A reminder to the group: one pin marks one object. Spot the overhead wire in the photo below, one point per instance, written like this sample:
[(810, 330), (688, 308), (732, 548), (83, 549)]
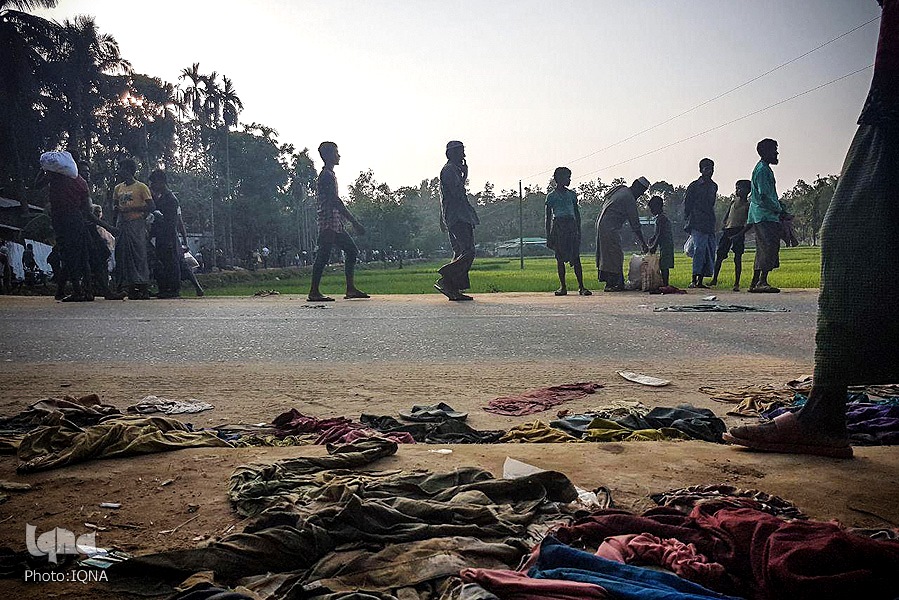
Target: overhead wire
[(731, 122), (718, 97)]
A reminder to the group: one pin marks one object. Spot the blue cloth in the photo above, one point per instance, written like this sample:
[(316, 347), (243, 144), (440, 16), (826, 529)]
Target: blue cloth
[(704, 245), (562, 203), (559, 561)]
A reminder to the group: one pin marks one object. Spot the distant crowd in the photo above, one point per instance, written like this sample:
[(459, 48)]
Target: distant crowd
[(146, 241)]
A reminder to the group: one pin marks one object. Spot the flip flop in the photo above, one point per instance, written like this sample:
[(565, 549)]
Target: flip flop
[(356, 295), (783, 435), (643, 379), (319, 299)]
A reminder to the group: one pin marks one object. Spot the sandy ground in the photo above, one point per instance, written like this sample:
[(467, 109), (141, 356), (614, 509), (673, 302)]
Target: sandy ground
[(857, 493)]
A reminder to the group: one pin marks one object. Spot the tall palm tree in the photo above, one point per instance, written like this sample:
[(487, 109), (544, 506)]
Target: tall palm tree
[(84, 59), (192, 95), (230, 103), (25, 40)]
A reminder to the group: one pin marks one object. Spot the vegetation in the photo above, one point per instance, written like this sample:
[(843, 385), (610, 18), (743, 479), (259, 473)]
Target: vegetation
[(800, 268), (67, 86)]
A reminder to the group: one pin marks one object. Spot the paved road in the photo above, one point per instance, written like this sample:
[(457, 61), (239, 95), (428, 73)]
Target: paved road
[(408, 329)]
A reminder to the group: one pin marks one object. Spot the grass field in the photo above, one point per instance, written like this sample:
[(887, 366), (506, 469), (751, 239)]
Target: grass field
[(799, 268)]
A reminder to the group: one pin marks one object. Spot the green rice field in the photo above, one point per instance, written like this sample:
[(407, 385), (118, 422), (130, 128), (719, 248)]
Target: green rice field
[(799, 268)]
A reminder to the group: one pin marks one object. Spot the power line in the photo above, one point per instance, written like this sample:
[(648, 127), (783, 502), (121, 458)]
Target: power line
[(731, 122), (718, 97)]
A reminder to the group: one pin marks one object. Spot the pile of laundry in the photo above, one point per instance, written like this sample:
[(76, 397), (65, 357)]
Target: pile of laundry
[(330, 527), (872, 412)]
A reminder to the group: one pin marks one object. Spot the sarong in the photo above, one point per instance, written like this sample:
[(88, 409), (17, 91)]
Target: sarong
[(767, 245)]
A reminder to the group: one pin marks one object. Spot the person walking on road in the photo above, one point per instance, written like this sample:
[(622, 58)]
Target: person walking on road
[(458, 218)]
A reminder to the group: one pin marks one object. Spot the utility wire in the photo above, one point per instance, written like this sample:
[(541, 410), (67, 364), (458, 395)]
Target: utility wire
[(731, 122), (718, 97)]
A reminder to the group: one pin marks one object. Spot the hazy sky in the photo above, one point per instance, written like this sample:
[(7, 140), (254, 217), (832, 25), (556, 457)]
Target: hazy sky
[(527, 85)]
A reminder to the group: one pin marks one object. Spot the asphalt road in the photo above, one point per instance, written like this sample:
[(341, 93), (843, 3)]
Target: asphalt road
[(494, 327)]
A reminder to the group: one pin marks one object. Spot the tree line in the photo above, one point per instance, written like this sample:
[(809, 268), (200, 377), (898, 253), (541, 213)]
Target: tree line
[(67, 86)]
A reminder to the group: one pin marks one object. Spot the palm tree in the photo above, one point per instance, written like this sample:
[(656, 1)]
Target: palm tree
[(85, 58), (230, 103), (192, 95), (25, 40)]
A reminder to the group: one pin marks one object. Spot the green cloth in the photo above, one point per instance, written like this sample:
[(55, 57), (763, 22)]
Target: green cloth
[(536, 432), (562, 203), (764, 205), (66, 444), (605, 430)]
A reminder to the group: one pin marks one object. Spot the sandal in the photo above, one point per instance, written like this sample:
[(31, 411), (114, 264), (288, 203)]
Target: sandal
[(584, 292), (561, 292), (784, 435), (319, 298), (356, 295)]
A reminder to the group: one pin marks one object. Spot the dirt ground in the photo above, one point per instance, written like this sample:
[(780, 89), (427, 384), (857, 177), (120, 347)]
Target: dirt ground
[(857, 493)]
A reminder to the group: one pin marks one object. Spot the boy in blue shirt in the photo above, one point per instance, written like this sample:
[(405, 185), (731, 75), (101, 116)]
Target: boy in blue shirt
[(563, 230)]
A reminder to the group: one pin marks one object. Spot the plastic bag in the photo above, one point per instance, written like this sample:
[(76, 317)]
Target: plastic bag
[(651, 273), (59, 162), (689, 247), (634, 276)]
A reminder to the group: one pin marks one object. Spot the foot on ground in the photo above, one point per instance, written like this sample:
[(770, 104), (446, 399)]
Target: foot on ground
[(460, 297), (561, 292), (764, 288), (354, 294), (318, 298), (584, 292), (785, 435)]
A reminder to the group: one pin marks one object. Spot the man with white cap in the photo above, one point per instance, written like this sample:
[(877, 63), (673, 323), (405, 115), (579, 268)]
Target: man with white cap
[(619, 206), (458, 218)]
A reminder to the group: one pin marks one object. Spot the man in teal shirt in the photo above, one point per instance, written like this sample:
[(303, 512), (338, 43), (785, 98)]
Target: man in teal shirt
[(765, 210)]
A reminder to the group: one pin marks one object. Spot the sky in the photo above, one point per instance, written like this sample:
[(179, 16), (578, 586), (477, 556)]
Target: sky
[(527, 85)]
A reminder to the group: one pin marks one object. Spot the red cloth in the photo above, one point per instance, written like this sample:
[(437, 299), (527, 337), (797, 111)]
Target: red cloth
[(535, 401), (68, 195), (512, 585), (293, 422), (672, 554), (766, 556)]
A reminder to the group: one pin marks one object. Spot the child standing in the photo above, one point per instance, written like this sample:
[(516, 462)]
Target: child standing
[(563, 230), (733, 232), (662, 240)]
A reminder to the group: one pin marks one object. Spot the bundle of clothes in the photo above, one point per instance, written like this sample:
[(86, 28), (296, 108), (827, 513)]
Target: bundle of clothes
[(330, 528)]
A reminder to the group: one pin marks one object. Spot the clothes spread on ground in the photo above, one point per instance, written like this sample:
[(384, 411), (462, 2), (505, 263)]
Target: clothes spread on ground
[(535, 401), (536, 432), (684, 422), (51, 447), (764, 556), (560, 561), (717, 308), (448, 431), (751, 401), (153, 404), (437, 412), (686, 499), (870, 422), (305, 508)]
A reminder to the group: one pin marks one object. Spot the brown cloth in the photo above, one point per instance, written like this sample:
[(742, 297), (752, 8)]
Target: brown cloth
[(538, 400)]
